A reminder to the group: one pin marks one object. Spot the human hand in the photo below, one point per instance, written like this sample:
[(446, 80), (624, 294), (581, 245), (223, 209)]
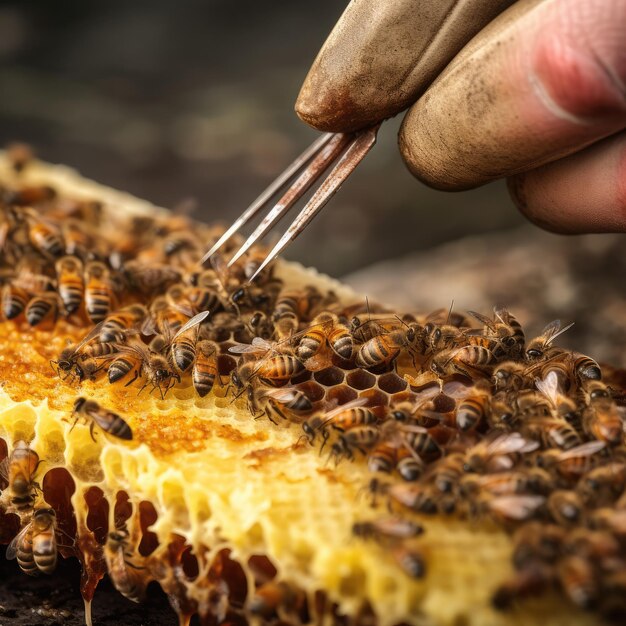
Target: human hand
[(538, 96)]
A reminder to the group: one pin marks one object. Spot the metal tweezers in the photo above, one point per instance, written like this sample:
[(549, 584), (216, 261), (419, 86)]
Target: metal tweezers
[(312, 163)]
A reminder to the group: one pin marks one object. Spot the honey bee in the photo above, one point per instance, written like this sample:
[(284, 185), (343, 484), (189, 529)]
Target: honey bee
[(497, 454), (77, 241), (291, 399), (411, 562), (99, 296), (205, 369), (570, 367), (35, 546), (509, 508), (149, 278), (292, 306), (191, 300), (275, 371), (419, 498), (142, 361), (18, 469), (70, 282), (183, 343), (504, 330), (603, 485), (326, 327), (563, 406), (125, 576), (43, 235), (348, 415), (80, 361), (474, 408), (14, 300), (163, 319), (116, 324), (43, 306), (448, 473), (510, 376), (530, 581), (552, 432), (537, 347), (565, 507), (601, 419), (573, 463), (438, 337), (470, 360), (111, 423), (387, 528), (579, 580), (383, 349)]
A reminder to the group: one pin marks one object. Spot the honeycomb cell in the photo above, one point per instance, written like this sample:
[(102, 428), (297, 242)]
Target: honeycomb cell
[(225, 365), (189, 563), (444, 403), (360, 379), (375, 397), (329, 377), (312, 390), (122, 509), (147, 516), (341, 394), (58, 488), (97, 513), (231, 572), (262, 568), (391, 383)]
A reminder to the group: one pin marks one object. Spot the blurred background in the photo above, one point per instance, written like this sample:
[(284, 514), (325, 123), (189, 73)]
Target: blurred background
[(194, 99)]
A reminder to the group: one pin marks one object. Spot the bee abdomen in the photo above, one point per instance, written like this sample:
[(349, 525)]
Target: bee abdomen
[(14, 301), (118, 369), (45, 557), (37, 309), (97, 304), (184, 354), (72, 295)]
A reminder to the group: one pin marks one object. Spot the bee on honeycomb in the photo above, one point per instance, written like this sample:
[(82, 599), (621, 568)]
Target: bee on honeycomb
[(215, 413)]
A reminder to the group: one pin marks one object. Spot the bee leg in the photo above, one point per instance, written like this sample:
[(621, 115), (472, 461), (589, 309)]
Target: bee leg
[(133, 379), (269, 416), (325, 436), (279, 412), (74, 424), (91, 427)]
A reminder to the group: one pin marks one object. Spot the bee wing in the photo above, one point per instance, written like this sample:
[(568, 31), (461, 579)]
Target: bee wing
[(516, 507), (148, 326), (553, 330), (11, 552), (346, 407), (135, 349), (483, 319), (510, 443), (549, 386), (502, 314), (258, 346), (95, 331), (4, 469), (282, 394), (194, 321), (586, 449)]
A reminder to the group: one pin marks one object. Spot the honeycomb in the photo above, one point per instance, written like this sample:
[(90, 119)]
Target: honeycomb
[(240, 513)]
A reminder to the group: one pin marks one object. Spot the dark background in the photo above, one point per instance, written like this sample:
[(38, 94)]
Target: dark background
[(176, 98)]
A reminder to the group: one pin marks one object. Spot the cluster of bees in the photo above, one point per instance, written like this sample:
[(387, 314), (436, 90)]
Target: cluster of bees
[(486, 424)]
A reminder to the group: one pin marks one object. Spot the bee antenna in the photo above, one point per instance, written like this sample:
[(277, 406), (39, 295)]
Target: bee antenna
[(450, 312)]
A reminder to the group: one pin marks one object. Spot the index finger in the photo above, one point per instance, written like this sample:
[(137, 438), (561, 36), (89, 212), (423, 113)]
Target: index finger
[(382, 54)]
